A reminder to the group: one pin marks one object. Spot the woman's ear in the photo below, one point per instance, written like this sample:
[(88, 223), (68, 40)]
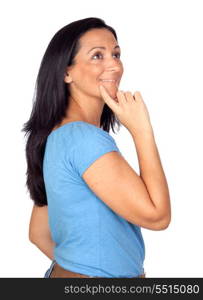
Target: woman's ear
[(67, 78)]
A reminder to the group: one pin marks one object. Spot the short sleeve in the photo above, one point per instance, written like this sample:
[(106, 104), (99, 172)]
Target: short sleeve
[(90, 144)]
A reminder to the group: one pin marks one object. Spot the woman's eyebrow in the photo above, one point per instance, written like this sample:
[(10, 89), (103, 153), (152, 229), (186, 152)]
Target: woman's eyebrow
[(100, 47)]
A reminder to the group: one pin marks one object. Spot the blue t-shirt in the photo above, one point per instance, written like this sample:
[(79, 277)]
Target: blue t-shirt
[(90, 237)]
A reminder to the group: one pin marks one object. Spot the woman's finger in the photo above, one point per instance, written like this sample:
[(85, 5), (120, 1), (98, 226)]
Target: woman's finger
[(121, 97), (129, 97), (109, 101), (138, 96)]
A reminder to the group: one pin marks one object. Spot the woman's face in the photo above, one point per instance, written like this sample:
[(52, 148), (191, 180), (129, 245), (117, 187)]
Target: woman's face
[(97, 62)]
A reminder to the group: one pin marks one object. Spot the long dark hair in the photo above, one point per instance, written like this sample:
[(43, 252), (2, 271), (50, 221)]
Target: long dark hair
[(52, 99)]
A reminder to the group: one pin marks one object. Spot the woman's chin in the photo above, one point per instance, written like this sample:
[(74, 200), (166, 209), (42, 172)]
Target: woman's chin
[(112, 91)]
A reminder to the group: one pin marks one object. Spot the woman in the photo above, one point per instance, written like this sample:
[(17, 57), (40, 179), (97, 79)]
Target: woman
[(89, 204)]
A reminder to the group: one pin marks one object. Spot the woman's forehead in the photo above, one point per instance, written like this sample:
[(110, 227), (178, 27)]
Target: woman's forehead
[(97, 38)]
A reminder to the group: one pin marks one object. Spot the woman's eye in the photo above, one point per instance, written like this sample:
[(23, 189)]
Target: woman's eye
[(118, 55), (97, 55)]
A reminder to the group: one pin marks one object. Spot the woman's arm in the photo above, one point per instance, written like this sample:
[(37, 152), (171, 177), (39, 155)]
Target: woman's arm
[(39, 231), (152, 174)]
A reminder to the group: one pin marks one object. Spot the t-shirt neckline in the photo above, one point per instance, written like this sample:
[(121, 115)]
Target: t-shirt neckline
[(72, 122)]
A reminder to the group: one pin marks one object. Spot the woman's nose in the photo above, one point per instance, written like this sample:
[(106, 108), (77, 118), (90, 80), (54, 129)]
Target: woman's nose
[(113, 65)]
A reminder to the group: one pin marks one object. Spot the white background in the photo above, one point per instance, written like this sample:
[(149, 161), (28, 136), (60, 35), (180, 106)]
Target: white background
[(161, 43)]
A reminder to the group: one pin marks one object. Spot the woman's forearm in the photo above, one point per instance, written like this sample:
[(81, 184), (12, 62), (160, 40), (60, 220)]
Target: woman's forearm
[(39, 230), (45, 244), (152, 174)]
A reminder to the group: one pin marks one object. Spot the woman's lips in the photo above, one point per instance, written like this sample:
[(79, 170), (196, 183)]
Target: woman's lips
[(108, 80), (111, 81)]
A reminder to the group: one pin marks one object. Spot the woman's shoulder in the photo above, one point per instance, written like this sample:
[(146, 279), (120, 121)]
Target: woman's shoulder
[(78, 127)]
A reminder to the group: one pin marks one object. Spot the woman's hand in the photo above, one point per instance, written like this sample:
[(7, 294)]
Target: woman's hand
[(130, 110)]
